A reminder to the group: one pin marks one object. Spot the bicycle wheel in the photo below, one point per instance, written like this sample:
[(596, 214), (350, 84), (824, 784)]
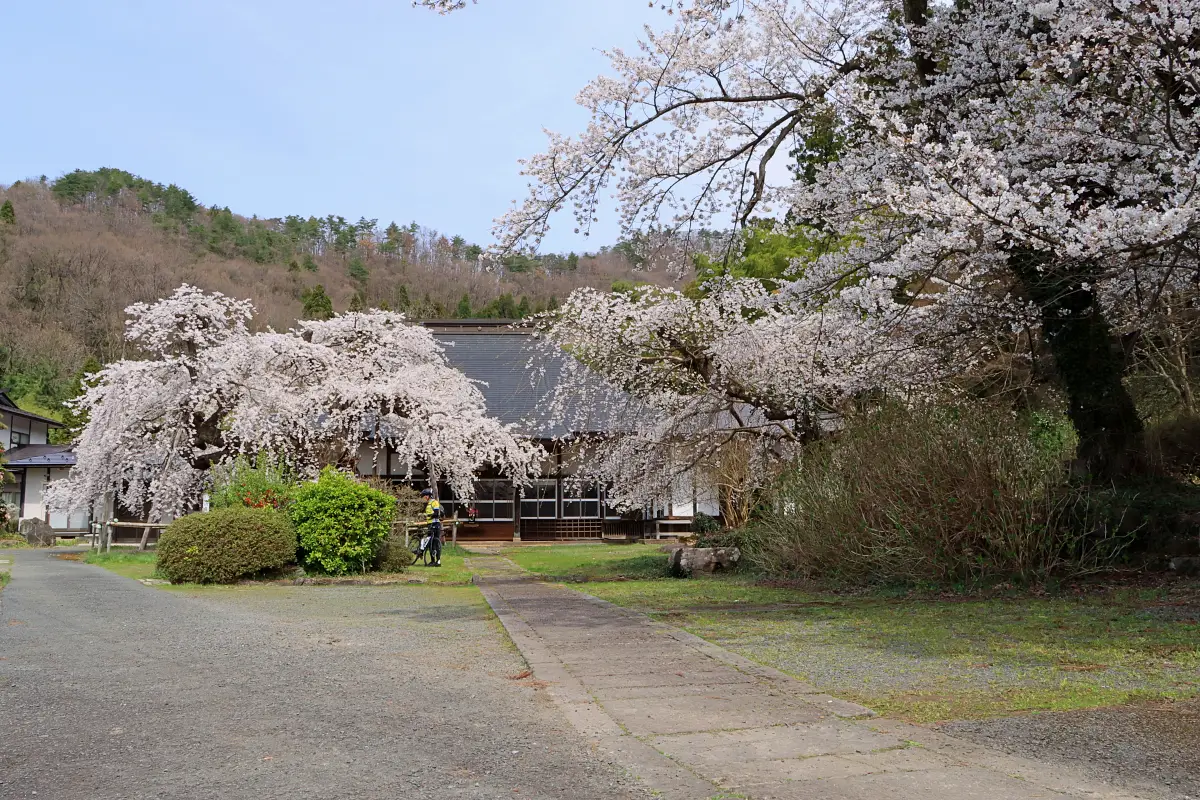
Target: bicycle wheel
[(423, 554)]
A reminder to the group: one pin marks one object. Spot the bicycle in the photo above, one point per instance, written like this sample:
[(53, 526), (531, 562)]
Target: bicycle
[(421, 551), (424, 550)]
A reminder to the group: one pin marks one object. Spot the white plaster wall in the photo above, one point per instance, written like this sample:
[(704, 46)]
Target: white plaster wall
[(686, 502), (5, 427), (707, 504), (36, 479), (398, 467), (370, 460), (76, 520), (39, 432)]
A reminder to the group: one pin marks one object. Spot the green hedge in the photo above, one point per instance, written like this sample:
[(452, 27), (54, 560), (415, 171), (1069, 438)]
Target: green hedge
[(226, 544), (341, 523)]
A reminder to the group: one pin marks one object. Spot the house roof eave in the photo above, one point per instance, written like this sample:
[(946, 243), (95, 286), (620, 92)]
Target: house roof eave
[(18, 412)]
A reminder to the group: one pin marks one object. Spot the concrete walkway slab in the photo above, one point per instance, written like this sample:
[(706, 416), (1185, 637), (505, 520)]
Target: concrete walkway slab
[(829, 737), (655, 716), (697, 721), (666, 679)]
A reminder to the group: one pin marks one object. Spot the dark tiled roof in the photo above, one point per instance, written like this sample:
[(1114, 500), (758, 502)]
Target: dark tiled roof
[(519, 378), (40, 455)]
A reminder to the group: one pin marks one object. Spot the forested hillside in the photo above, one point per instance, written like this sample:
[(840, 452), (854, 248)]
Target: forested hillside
[(75, 251)]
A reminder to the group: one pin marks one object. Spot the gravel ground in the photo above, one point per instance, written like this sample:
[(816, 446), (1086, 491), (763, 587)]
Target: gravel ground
[(1152, 748), (111, 689)]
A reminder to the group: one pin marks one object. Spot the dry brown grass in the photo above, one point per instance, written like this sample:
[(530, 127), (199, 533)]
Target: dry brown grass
[(944, 494)]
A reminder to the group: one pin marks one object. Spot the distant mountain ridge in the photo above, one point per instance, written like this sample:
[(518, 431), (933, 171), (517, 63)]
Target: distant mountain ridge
[(80, 248)]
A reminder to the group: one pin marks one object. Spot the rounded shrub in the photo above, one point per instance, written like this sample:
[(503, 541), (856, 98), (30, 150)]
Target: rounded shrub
[(223, 545), (394, 554), (341, 523)]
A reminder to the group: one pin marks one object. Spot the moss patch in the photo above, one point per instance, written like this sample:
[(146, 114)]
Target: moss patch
[(133, 564), (452, 572), (591, 562)]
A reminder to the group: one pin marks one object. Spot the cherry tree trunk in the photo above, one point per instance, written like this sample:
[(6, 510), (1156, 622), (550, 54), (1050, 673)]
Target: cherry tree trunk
[(1089, 364)]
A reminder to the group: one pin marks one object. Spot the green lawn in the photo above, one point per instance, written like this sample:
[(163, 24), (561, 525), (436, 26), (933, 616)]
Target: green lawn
[(926, 658), (452, 572), (130, 563), (591, 562), (133, 564)]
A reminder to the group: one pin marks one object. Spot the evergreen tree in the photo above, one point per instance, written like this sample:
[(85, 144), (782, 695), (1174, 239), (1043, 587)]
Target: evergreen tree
[(358, 270), (524, 309), (769, 250), (293, 266), (178, 204), (317, 304), (8, 214), (506, 307), (310, 263), (356, 303), (75, 420), (464, 307), (391, 240)]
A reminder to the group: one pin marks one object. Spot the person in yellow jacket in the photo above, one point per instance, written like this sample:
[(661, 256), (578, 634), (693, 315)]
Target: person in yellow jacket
[(433, 515)]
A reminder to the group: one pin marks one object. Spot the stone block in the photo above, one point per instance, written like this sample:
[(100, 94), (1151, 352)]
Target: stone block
[(689, 560), (37, 532)]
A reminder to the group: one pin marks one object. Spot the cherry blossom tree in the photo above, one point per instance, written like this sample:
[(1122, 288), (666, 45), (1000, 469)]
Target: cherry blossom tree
[(990, 157), (737, 377), (210, 389)]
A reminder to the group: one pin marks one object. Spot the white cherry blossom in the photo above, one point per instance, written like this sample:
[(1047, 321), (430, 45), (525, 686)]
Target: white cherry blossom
[(211, 389)]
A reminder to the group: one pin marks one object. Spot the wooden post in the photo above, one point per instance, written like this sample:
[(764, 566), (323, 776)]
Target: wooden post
[(454, 533), (145, 539), (108, 536)]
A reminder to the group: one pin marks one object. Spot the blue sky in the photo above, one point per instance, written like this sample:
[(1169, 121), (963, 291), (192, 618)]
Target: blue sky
[(361, 108)]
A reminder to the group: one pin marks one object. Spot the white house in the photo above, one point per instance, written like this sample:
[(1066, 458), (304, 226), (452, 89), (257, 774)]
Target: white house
[(33, 463)]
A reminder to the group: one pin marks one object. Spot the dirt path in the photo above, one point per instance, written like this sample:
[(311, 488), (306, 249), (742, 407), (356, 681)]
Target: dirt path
[(111, 689), (697, 720)]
